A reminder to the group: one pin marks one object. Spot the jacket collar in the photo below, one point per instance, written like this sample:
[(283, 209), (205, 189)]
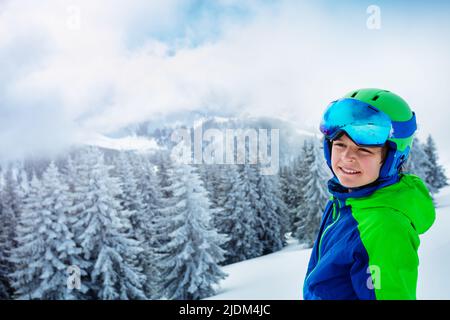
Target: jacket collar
[(341, 193)]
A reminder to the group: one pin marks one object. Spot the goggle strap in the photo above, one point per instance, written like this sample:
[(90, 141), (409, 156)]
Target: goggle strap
[(404, 129)]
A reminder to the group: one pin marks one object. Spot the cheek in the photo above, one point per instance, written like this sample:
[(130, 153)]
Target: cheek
[(371, 166), (334, 159)]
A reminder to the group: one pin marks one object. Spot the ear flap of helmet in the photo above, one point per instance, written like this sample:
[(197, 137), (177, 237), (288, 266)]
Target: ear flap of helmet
[(394, 160), (327, 152)]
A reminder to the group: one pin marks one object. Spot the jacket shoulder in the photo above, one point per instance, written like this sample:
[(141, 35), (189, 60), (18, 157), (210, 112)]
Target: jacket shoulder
[(385, 224), (391, 244)]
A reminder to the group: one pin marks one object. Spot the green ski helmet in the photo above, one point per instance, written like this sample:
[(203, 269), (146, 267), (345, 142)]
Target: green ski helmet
[(372, 117)]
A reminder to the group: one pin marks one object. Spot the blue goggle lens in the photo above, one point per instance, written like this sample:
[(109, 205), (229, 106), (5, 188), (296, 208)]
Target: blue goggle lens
[(365, 124)]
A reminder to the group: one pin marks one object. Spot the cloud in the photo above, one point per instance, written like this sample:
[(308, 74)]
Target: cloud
[(131, 61)]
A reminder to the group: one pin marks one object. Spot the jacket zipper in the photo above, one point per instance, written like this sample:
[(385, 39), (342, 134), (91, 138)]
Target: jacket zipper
[(322, 235), (327, 228)]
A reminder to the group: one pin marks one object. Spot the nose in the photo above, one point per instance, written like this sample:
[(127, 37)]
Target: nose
[(348, 155)]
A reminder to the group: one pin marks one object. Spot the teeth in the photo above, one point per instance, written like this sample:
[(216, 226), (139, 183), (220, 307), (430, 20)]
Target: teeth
[(349, 171)]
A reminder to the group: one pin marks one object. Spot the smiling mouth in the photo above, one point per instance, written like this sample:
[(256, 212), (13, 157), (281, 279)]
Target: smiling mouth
[(349, 172)]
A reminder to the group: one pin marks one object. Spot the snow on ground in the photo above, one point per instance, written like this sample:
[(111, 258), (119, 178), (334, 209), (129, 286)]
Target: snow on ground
[(277, 276), (308, 133), (280, 275), (434, 253), (141, 144)]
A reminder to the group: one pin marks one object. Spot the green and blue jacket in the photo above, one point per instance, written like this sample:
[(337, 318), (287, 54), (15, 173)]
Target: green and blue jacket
[(368, 240)]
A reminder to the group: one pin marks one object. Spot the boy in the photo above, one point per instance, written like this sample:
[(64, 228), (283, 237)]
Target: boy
[(369, 236)]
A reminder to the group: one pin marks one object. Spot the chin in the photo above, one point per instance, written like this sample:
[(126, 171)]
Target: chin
[(348, 183)]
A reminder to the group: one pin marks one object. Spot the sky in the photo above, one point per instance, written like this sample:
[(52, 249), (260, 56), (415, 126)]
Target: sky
[(73, 68)]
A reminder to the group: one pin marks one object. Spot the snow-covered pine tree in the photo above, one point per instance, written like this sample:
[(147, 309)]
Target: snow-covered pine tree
[(11, 196), (10, 206), (214, 180), (284, 214), (230, 220), (189, 266), (5, 289), (238, 219), (146, 222), (272, 213), (30, 249), (164, 167), (249, 180), (100, 232), (434, 172), (211, 176), (417, 160), (164, 164), (298, 170), (70, 173), (315, 192), (299, 224), (132, 206), (131, 201), (53, 240), (284, 180), (76, 196)]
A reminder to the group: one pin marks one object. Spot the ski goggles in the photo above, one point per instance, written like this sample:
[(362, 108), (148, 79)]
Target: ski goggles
[(365, 124)]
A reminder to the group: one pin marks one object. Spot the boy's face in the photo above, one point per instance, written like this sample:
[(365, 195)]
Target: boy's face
[(355, 165)]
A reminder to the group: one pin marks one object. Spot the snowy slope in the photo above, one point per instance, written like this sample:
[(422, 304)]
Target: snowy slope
[(280, 275), (275, 276), (140, 144), (434, 253)]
